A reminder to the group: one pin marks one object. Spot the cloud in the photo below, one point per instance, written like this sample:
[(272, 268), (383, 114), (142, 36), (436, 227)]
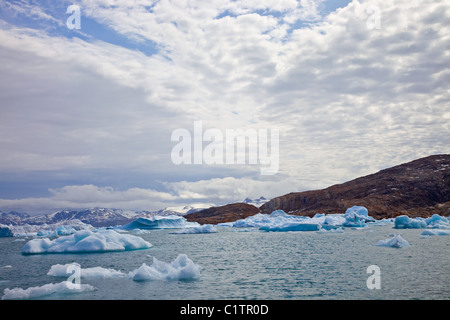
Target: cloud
[(90, 196), (348, 98)]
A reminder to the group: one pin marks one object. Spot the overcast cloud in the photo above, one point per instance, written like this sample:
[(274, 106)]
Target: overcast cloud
[(86, 116)]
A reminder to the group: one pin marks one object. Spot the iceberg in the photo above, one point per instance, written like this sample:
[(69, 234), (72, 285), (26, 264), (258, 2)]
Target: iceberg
[(292, 227), (437, 222), (394, 242), (206, 228), (59, 231), (435, 232), (405, 222), (334, 219), (86, 241), (357, 216), (5, 232), (279, 220), (330, 230), (182, 268), (160, 222), (47, 289), (64, 270)]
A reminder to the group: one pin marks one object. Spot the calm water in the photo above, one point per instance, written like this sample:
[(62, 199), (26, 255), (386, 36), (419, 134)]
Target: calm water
[(256, 265)]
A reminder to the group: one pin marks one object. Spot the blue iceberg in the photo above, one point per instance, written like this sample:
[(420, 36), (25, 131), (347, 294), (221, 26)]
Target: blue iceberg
[(405, 222), (357, 216), (435, 232), (292, 227), (437, 222), (160, 222)]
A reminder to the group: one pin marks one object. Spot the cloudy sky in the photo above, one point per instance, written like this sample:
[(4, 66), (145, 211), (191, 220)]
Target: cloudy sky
[(86, 115)]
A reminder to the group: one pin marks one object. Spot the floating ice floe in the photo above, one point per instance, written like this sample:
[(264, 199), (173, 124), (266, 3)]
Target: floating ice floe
[(206, 228), (65, 270), (437, 222), (334, 230), (292, 227), (395, 242), (59, 231), (86, 241), (5, 232), (434, 232), (182, 268), (63, 287), (357, 216), (434, 222), (405, 222), (160, 222), (279, 220)]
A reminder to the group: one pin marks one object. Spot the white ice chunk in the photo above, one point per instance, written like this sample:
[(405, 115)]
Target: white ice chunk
[(182, 268), (206, 228), (86, 241), (435, 232), (63, 287), (64, 270), (331, 230), (394, 242)]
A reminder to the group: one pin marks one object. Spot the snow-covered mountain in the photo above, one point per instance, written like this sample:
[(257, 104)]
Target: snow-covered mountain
[(96, 217), (256, 202)]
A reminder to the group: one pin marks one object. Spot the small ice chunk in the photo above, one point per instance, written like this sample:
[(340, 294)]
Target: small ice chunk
[(395, 242), (182, 268), (64, 270), (435, 232), (331, 230), (206, 228), (47, 289)]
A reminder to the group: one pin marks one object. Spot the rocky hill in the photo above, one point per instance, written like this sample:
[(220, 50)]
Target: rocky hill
[(226, 213), (417, 188)]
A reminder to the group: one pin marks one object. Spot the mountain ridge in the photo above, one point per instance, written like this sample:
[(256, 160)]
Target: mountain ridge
[(417, 188), (406, 188)]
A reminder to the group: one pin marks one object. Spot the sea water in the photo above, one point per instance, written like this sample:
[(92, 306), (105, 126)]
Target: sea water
[(253, 264)]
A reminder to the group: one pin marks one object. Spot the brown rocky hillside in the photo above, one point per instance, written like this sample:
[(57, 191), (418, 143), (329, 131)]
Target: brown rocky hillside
[(417, 188)]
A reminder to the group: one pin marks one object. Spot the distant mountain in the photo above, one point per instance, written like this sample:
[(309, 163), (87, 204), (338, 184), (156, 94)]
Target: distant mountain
[(417, 188), (256, 202), (182, 210), (97, 217)]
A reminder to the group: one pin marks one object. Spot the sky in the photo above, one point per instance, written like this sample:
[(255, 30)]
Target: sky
[(87, 114)]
